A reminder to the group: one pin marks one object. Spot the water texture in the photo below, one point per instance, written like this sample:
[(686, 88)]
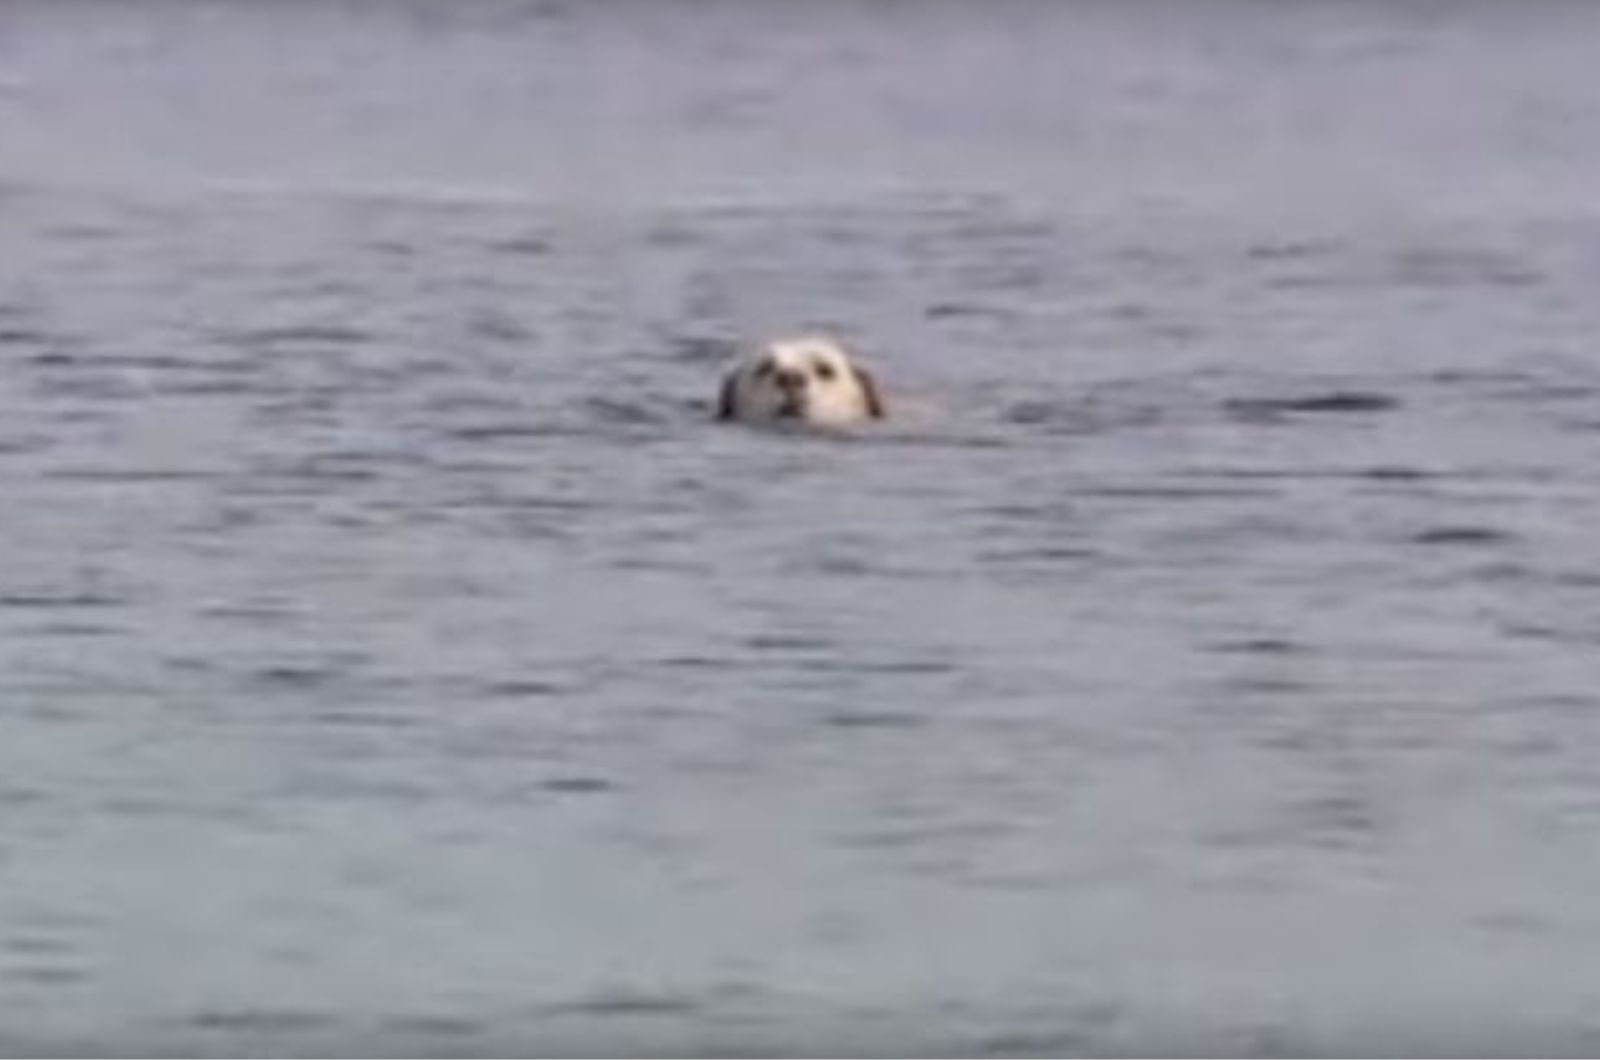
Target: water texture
[(396, 660)]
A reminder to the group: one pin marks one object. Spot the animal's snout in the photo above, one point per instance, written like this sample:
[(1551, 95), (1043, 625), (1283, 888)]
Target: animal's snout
[(809, 378)]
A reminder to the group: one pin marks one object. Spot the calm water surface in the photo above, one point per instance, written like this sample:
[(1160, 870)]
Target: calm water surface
[(394, 659)]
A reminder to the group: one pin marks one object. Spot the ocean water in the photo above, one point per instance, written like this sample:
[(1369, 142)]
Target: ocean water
[(395, 659)]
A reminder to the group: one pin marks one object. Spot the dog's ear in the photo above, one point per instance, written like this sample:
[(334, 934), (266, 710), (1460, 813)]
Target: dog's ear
[(725, 409), (869, 390)]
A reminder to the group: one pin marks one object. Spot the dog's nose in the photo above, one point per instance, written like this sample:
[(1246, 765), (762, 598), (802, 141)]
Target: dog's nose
[(789, 379)]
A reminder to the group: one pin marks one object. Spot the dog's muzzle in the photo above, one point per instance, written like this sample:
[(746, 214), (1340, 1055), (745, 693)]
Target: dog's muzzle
[(792, 385)]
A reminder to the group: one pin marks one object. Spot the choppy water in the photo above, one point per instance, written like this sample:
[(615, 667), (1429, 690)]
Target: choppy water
[(393, 657)]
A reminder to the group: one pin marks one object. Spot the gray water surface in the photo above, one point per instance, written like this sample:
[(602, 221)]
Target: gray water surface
[(394, 658)]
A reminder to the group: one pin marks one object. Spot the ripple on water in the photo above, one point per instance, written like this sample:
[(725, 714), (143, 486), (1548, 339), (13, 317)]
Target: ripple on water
[(627, 413), (1274, 409), (578, 785), (624, 1003), (702, 349), (23, 336), (873, 719), (522, 246), (1462, 535), (262, 1021), (529, 688), (35, 955), (131, 476), (289, 677), (1259, 646), (277, 338), (443, 1035), (79, 599)]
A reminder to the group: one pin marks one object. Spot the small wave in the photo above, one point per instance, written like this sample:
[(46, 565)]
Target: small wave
[(1462, 535), (1332, 402), (295, 335), (1258, 646), (522, 246), (873, 719), (695, 349), (626, 1003), (262, 1020), (579, 785), (21, 336), (625, 412), (54, 601)]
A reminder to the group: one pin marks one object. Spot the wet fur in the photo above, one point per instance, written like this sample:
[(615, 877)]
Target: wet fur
[(808, 371)]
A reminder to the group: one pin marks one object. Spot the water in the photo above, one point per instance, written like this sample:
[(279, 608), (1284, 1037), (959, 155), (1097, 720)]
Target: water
[(396, 659)]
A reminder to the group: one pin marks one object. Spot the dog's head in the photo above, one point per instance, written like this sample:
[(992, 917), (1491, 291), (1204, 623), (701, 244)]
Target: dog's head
[(810, 379)]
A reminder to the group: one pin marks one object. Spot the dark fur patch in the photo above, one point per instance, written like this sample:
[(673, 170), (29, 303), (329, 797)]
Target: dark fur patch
[(869, 388), (725, 408)]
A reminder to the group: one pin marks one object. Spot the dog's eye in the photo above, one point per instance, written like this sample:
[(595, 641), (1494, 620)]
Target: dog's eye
[(825, 370), (764, 369)]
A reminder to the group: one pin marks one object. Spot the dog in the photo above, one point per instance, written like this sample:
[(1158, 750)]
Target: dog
[(809, 379)]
